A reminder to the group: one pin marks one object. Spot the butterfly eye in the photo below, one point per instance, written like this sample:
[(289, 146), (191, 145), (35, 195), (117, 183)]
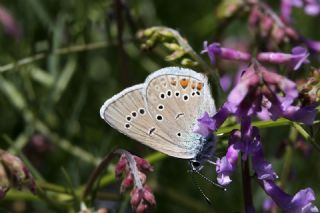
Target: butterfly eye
[(141, 111), (162, 95), (185, 97), (196, 164), (127, 126)]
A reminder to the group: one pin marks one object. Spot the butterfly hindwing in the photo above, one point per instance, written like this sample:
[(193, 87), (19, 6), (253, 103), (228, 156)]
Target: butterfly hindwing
[(175, 98), (127, 113)]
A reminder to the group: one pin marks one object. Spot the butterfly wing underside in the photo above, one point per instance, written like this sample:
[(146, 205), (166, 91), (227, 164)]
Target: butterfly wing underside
[(176, 98), (127, 113)]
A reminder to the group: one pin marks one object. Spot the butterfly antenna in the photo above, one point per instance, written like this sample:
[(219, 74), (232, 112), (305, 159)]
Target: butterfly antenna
[(210, 181), (201, 191)]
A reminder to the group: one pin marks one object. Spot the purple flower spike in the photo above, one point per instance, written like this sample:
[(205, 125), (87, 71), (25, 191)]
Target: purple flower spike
[(301, 202), (227, 164), (298, 57), (215, 50)]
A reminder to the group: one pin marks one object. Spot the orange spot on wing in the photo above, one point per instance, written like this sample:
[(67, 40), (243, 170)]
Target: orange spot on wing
[(184, 83), (193, 86), (199, 86)]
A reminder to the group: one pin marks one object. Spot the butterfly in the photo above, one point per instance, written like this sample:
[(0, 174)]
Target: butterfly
[(162, 113)]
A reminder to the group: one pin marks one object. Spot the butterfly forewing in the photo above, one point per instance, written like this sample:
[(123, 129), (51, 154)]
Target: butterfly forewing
[(127, 113)]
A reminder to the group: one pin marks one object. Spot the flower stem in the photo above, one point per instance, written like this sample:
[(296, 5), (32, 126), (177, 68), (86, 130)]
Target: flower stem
[(246, 182)]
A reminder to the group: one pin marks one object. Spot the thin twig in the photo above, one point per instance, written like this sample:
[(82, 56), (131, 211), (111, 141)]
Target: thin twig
[(95, 174), (61, 51)]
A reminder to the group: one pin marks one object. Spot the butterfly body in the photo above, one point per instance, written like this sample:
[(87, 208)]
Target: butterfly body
[(162, 113)]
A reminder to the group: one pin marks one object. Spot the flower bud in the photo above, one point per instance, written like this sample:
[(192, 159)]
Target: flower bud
[(136, 197), (148, 196), (142, 208), (188, 62), (16, 170), (143, 165), (127, 182), (142, 177), (121, 166), (172, 46), (4, 182)]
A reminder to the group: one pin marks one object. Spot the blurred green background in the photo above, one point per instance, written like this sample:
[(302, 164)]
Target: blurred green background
[(73, 61)]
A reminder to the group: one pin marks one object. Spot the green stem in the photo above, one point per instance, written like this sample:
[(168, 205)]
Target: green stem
[(260, 124), (61, 51), (306, 135)]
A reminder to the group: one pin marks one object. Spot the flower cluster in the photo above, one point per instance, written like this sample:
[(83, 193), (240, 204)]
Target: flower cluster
[(134, 169), (268, 26), (13, 173), (311, 7), (267, 95), (298, 56)]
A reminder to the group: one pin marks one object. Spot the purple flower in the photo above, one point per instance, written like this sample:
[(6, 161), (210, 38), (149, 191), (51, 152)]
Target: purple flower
[(207, 124), (312, 7), (215, 50), (225, 82), (301, 202), (268, 204), (286, 8), (312, 44), (262, 167), (8, 22), (298, 57), (257, 93), (304, 115), (250, 139), (227, 164)]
